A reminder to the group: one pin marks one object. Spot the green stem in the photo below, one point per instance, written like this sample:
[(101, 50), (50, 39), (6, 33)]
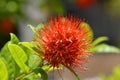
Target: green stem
[(78, 78), (23, 75)]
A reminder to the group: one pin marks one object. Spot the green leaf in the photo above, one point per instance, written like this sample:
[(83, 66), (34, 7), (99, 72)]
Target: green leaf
[(32, 27), (40, 26), (3, 71), (99, 40), (44, 75), (13, 69), (36, 29), (28, 45), (89, 35), (19, 56), (34, 61), (116, 73), (14, 38), (105, 48)]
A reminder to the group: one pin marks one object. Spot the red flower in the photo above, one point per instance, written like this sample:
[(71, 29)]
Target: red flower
[(7, 26), (65, 42), (85, 3)]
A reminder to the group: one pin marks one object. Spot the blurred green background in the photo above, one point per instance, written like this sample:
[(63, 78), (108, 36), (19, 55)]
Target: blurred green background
[(102, 15)]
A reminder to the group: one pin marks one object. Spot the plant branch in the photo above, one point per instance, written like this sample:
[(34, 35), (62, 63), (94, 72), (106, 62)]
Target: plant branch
[(78, 78), (23, 75)]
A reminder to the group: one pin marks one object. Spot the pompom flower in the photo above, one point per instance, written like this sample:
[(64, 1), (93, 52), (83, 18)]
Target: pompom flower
[(64, 41)]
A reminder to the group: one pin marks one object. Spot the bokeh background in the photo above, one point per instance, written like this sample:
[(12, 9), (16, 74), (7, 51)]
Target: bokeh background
[(102, 15)]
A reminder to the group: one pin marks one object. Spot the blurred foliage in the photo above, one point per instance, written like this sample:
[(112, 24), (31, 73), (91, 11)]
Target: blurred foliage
[(17, 62), (55, 7), (100, 47), (113, 7), (10, 8), (10, 12), (105, 48), (114, 76)]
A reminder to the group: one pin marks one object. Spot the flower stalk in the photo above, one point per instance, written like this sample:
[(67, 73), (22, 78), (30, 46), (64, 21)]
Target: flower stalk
[(24, 75), (76, 75)]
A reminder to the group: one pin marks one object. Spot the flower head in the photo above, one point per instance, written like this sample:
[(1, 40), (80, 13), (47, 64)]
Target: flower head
[(65, 41)]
